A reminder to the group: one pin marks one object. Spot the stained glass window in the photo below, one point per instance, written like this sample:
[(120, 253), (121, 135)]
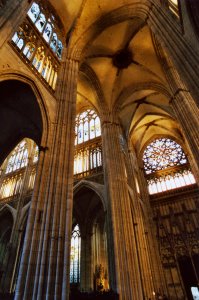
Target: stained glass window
[(88, 151), (33, 12), (75, 255), (173, 6), (162, 154), (46, 26), (166, 166), (28, 50), (53, 43), (18, 158), (47, 32), (41, 22), (35, 154), (40, 44), (13, 168), (87, 126), (87, 159)]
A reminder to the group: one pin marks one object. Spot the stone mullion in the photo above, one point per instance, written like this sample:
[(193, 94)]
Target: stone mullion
[(119, 213), (11, 17), (179, 49)]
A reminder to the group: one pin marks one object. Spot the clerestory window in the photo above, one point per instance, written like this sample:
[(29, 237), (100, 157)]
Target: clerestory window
[(88, 149), (38, 40), (166, 166), (173, 6), (18, 158), (87, 126), (13, 168)]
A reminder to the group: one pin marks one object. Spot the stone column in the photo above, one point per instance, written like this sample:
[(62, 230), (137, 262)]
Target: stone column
[(170, 35), (44, 269), (150, 265), (157, 272), (86, 274), (187, 115), (185, 109), (12, 14), (124, 272)]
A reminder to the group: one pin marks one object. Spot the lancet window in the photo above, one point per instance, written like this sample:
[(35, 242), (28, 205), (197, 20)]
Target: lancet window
[(18, 158), (173, 6), (38, 40), (75, 255), (87, 126), (88, 149), (166, 166), (14, 166)]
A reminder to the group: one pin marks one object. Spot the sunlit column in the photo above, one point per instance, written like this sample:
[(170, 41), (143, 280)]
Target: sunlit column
[(185, 108), (123, 259), (44, 269), (150, 265), (165, 30)]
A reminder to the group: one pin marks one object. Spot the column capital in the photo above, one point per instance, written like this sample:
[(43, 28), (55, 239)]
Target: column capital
[(110, 118), (69, 54), (176, 94)]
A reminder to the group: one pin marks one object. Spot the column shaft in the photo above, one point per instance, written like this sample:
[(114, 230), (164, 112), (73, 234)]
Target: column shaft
[(150, 265), (45, 274), (123, 260)]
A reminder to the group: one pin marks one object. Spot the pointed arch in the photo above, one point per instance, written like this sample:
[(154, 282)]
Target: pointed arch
[(27, 117), (94, 186)]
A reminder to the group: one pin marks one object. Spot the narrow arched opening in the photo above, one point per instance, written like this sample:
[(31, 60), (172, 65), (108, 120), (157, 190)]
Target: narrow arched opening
[(90, 224)]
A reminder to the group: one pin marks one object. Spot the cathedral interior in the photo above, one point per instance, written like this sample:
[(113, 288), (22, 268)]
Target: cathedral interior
[(99, 195)]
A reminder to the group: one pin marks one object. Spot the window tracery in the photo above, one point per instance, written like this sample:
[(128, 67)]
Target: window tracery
[(166, 166), (38, 40), (87, 126), (162, 154), (88, 150), (173, 6), (75, 255), (18, 158), (11, 180)]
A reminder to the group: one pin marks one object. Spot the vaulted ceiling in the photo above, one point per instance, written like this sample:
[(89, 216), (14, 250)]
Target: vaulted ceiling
[(119, 68)]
